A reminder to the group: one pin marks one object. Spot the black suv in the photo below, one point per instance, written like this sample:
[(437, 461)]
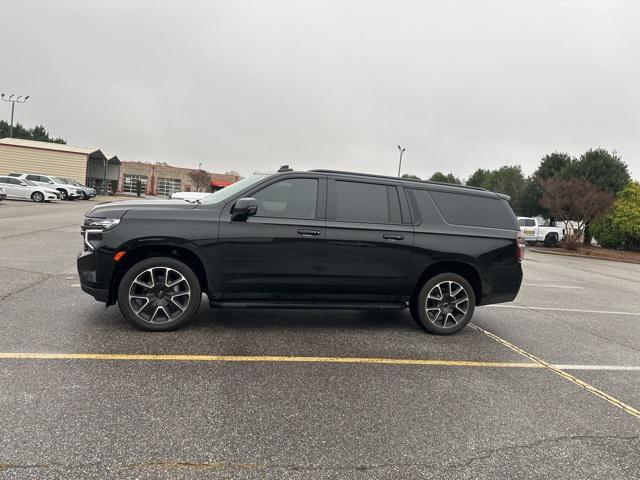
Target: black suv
[(316, 239)]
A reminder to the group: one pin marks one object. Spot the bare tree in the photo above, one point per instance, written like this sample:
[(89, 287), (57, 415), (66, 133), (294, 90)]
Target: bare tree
[(201, 180), (576, 202), (235, 174)]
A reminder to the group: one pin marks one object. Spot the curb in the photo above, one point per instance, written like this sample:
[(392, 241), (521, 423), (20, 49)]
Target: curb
[(580, 255)]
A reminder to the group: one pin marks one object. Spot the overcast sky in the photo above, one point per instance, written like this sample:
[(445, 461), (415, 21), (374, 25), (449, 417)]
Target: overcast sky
[(251, 85)]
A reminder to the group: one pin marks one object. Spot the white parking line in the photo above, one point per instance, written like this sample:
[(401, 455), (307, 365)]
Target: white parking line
[(624, 368), (575, 310), (552, 286)]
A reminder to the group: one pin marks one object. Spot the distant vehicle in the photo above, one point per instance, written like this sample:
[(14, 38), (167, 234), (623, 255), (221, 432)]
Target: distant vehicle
[(318, 239), (3, 194), (189, 196), (534, 232), (20, 188), (67, 191), (87, 192)]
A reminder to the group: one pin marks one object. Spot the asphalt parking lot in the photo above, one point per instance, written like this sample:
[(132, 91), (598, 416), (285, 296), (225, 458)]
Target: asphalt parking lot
[(546, 387)]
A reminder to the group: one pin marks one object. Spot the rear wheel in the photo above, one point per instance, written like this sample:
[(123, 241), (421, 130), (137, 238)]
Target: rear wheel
[(159, 294), (551, 240), (37, 197), (444, 304)]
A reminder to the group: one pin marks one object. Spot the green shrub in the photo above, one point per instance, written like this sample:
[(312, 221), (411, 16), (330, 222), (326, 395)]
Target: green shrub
[(620, 228)]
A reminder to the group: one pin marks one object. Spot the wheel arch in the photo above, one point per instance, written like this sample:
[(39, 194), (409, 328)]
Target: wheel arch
[(143, 252), (465, 270)]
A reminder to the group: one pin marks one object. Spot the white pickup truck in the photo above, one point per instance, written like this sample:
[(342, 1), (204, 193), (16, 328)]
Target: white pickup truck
[(534, 232)]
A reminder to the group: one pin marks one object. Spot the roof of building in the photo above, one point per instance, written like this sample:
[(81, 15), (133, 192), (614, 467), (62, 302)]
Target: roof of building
[(19, 142)]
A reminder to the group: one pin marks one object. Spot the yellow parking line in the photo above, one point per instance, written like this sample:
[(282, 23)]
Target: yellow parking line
[(596, 391), (257, 358)]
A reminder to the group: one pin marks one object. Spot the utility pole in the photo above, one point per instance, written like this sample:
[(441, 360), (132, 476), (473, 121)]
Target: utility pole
[(401, 149), (13, 106)]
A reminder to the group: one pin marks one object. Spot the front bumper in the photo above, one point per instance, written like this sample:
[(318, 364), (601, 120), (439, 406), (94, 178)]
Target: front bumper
[(100, 294)]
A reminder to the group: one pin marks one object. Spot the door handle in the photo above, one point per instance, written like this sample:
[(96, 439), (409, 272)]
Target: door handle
[(307, 232), (392, 236)]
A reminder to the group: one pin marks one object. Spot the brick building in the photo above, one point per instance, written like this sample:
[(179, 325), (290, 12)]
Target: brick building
[(162, 179)]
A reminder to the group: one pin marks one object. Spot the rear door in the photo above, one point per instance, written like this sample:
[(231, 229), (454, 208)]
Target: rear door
[(369, 240)]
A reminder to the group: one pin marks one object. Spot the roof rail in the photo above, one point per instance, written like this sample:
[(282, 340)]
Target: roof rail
[(411, 180)]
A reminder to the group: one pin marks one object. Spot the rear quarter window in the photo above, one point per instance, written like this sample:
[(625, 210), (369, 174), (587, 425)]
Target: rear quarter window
[(475, 211)]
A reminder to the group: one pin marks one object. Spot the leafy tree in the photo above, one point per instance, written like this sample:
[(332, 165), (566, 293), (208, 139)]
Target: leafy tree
[(38, 133), (441, 177), (201, 180), (574, 200), (409, 176), (508, 180), (552, 164), (604, 169), (620, 228)]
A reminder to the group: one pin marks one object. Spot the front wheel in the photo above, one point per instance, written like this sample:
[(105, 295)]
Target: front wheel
[(444, 304), (159, 294), (37, 197), (63, 194)]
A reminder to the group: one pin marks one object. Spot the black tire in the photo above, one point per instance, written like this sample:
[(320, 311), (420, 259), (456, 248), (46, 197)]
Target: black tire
[(37, 197), (165, 322), (63, 194), (455, 319), (551, 240), (531, 243)]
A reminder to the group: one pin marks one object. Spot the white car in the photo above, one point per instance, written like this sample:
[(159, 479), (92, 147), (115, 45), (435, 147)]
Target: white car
[(189, 196), (19, 188), (3, 193), (534, 232), (67, 191)]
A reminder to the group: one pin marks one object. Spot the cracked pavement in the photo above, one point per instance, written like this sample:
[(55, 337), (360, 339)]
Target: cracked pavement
[(88, 419)]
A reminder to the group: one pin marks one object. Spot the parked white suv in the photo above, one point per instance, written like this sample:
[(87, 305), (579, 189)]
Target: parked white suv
[(534, 232), (21, 188), (67, 190)]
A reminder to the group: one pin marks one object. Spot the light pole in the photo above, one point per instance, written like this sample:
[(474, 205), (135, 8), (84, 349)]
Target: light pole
[(401, 149), (13, 105)]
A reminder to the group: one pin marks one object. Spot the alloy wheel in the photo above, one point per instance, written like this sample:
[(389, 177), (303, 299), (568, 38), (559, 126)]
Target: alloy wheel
[(447, 304), (159, 295), (37, 197)]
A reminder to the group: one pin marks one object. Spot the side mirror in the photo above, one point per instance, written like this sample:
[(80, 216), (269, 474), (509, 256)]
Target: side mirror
[(245, 207)]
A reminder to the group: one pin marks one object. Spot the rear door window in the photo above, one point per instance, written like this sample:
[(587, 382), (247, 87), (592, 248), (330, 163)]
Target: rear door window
[(475, 210), (366, 203)]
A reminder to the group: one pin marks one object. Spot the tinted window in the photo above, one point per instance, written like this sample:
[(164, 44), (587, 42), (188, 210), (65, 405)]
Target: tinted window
[(427, 209), (294, 198), (362, 202), (473, 210), (10, 181), (526, 222), (35, 178)]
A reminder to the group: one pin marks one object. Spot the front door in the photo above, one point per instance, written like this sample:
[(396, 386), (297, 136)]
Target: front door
[(368, 245), (277, 254)]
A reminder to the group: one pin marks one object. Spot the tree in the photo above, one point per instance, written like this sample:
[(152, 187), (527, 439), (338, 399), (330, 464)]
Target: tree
[(604, 169), (235, 173), (508, 180), (38, 133), (552, 164), (574, 201), (201, 180), (620, 228), (441, 177), (138, 187), (409, 176)]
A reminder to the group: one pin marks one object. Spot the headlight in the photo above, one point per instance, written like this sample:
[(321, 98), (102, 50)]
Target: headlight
[(101, 223)]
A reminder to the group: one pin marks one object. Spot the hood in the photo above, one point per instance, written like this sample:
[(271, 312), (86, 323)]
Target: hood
[(118, 209)]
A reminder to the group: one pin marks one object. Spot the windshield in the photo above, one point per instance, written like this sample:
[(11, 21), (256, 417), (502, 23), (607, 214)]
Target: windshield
[(29, 182), (232, 189)]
